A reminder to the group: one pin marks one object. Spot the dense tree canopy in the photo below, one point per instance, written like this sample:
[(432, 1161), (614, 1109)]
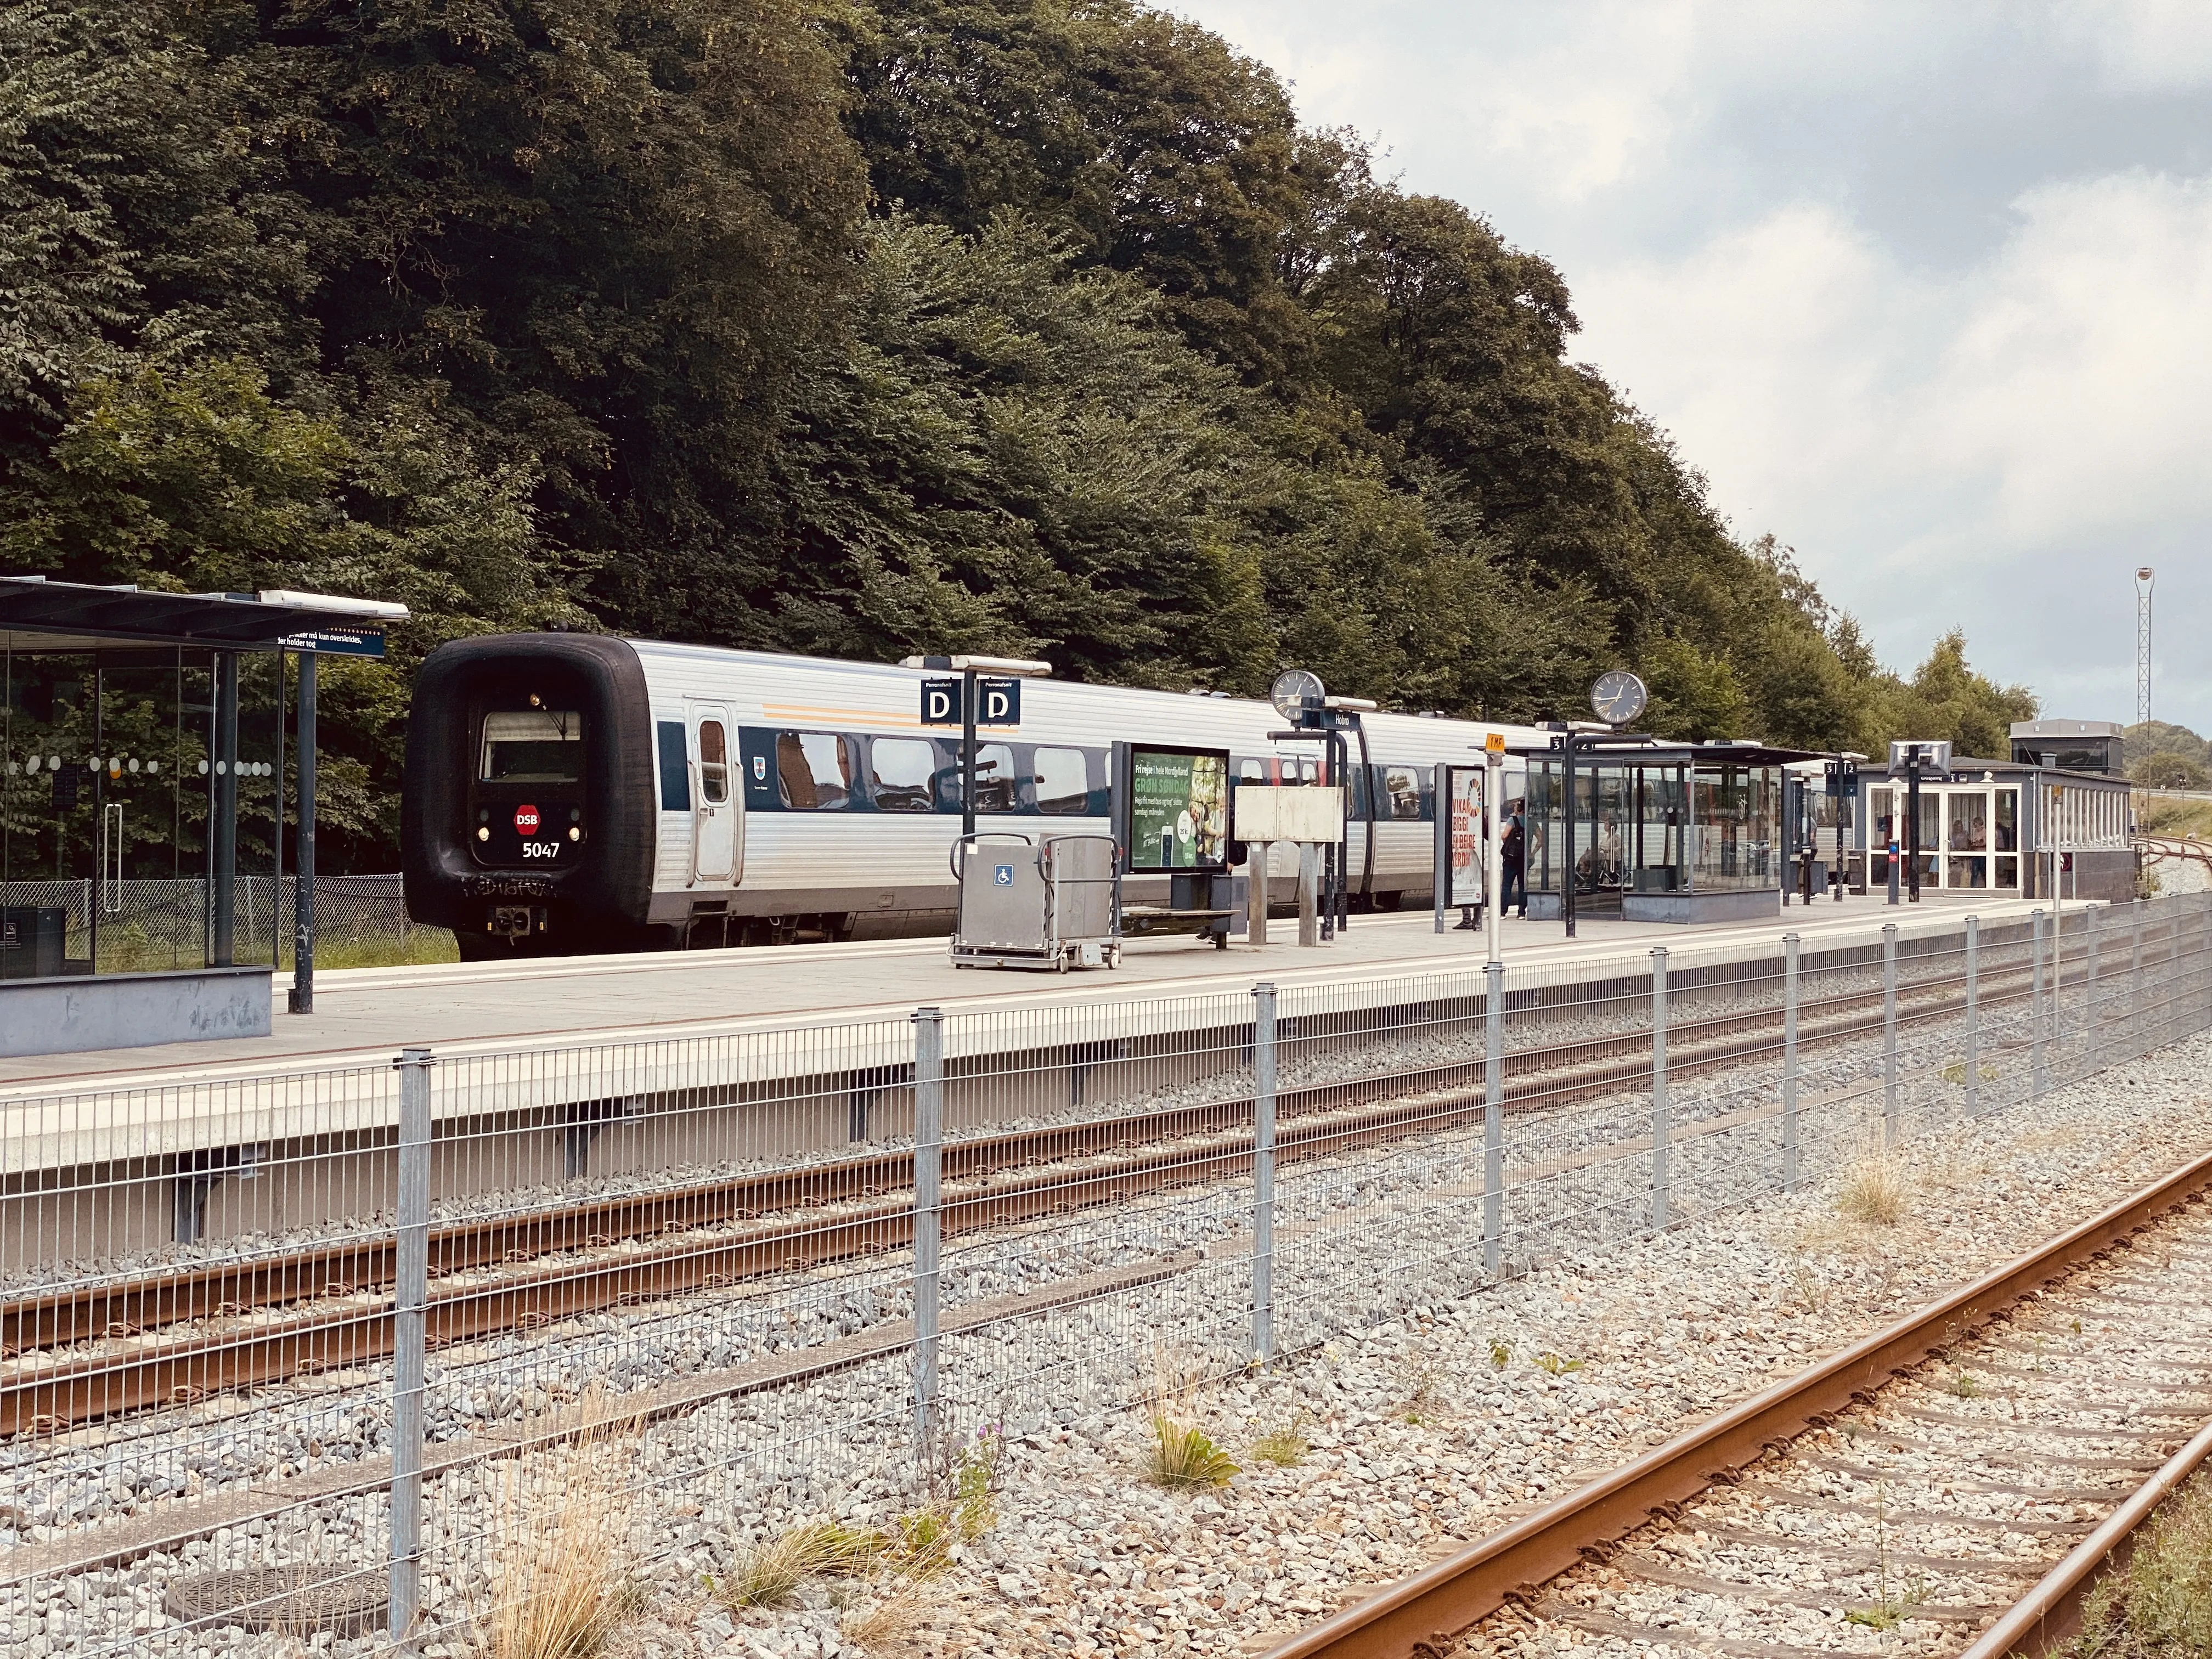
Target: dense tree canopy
[(1035, 325)]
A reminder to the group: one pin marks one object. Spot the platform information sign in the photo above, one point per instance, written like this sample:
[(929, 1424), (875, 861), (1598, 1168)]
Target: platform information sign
[(998, 703), (1178, 809)]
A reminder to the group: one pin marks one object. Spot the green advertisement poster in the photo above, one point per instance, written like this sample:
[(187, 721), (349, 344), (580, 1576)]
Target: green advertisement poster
[(1179, 810)]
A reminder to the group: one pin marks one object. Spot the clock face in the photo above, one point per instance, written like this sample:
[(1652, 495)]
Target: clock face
[(1618, 697), (1293, 688)]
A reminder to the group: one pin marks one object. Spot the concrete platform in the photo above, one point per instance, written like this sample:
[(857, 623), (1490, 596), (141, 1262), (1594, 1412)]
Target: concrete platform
[(365, 1015)]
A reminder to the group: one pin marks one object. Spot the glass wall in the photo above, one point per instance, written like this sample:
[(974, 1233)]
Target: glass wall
[(1736, 833), (1629, 831), (1969, 835)]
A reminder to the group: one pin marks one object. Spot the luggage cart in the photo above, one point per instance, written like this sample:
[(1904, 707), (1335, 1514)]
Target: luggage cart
[(1048, 908)]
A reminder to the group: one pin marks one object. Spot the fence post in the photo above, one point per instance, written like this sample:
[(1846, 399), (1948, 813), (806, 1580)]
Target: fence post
[(1659, 1192), (411, 1260), (2136, 980), (1888, 1035), (1789, 946), (1493, 1118), (1263, 1172), (2088, 1022), (1974, 1016), (2035, 1015), (928, 1218)]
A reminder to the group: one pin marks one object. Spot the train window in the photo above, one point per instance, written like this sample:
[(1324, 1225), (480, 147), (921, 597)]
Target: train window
[(1250, 770), (714, 764), (1400, 796), (1063, 781), (901, 768), (533, 745), (675, 773), (995, 783), (813, 770)]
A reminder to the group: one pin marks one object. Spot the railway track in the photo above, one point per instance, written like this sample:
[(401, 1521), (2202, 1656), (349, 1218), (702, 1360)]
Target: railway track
[(1917, 1485), (171, 1338)]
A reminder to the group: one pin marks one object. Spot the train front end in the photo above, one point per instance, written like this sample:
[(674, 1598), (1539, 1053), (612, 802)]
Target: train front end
[(527, 812)]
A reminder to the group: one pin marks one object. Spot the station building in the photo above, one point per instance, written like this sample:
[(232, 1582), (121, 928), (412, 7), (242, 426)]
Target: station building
[(2053, 819)]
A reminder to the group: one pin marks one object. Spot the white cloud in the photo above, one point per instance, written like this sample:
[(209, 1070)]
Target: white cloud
[(1971, 449)]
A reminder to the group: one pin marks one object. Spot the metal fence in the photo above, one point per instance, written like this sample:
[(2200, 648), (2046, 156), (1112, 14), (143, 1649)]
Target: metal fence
[(385, 1353), (359, 920)]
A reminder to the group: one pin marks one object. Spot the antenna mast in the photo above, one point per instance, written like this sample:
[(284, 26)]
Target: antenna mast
[(2143, 579)]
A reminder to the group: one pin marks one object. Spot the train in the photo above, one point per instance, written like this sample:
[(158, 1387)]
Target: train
[(571, 793)]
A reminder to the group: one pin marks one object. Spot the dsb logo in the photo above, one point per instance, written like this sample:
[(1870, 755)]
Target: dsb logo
[(526, 820)]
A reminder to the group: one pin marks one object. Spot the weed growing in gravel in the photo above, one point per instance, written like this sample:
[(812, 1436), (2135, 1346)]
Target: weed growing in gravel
[(2161, 1606), (1424, 1400), (1552, 1365), (1890, 1608), (1962, 1384), (1809, 1289), (1286, 1446), (1955, 1073), (1501, 1354), (769, 1573), (1873, 1191), (1183, 1455), (560, 1589), (884, 1624)]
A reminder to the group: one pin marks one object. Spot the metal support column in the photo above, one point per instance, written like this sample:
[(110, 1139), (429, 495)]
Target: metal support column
[(303, 881), (929, 1219), (1888, 1035), (222, 811), (1493, 1118), (1789, 954), (410, 1296), (1263, 1172), (2041, 1079), (1659, 1207), (1974, 1016)]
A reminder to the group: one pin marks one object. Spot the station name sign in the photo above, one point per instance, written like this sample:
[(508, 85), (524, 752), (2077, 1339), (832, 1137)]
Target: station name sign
[(338, 642), (998, 703)]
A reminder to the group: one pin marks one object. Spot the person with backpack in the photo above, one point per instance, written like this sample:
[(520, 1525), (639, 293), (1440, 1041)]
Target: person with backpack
[(1513, 853)]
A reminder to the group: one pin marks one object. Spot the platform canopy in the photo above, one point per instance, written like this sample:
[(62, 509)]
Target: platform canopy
[(37, 614)]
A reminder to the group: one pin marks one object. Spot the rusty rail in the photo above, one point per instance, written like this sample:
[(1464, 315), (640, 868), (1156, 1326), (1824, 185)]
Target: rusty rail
[(1423, 1614), (340, 1313)]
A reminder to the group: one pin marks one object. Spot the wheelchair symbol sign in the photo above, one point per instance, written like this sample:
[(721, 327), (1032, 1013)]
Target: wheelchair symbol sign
[(1002, 875)]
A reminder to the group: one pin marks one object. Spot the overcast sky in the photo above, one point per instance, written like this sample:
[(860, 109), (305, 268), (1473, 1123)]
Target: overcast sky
[(1924, 288)]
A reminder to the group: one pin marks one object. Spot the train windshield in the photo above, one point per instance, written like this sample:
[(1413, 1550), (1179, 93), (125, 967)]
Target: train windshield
[(534, 746)]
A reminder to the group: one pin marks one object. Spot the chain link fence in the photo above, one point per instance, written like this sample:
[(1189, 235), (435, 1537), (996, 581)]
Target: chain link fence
[(403, 1354)]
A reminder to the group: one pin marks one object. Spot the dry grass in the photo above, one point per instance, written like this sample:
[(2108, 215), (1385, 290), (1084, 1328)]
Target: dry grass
[(1875, 1191), (1183, 1456), (884, 1624), (562, 1587), (769, 1573), (2161, 1606)]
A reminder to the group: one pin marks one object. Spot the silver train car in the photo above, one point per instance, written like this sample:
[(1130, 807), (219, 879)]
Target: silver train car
[(568, 793)]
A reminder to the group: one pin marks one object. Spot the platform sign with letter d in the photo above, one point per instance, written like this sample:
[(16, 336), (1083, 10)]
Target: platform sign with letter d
[(940, 703)]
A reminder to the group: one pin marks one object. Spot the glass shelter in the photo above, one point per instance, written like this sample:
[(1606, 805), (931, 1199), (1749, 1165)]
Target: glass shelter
[(148, 777), (1649, 832)]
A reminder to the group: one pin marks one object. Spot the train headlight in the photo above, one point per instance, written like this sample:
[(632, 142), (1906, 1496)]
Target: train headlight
[(482, 834), (574, 834)]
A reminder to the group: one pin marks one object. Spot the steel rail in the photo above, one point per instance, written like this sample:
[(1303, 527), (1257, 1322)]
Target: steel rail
[(1419, 1617), (350, 1322), (2048, 1616)]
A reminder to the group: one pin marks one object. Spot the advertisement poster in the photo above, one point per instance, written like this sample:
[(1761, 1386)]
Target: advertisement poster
[(1466, 885), (1179, 810)]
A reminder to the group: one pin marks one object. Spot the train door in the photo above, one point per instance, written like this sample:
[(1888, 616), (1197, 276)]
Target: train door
[(714, 803)]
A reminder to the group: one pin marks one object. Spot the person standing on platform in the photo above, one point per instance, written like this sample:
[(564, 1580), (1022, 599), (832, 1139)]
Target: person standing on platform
[(1513, 851)]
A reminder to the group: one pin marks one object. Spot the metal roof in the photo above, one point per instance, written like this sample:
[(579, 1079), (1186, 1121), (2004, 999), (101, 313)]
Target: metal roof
[(37, 614), (1632, 752)]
